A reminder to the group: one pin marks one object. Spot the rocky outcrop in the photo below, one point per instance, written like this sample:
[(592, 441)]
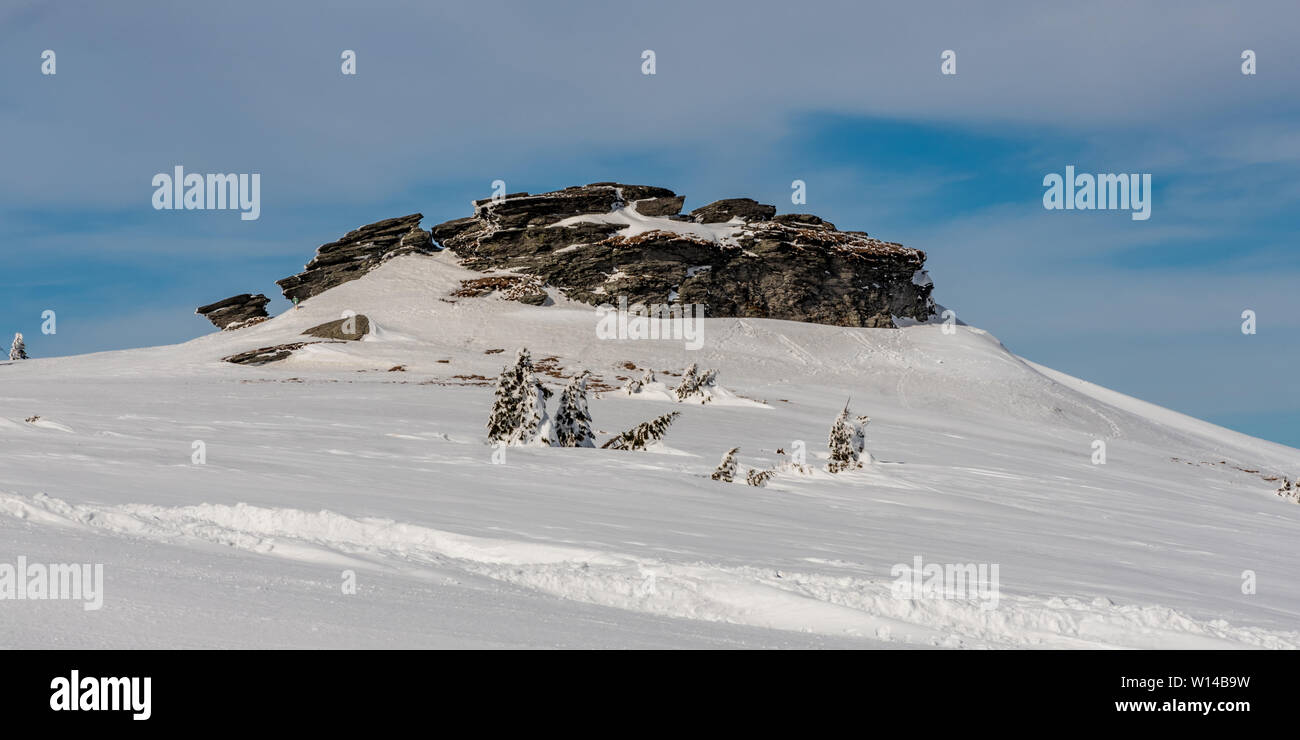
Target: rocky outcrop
[(264, 355), (348, 328), (721, 211), (605, 241), (235, 312), (736, 257), (666, 206), (357, 253)]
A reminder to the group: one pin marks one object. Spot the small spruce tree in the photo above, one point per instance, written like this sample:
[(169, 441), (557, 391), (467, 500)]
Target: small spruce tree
[(759, 478), (642, 434), (519, 406), (860, 437), (726, 470), (17, 350), (536, 428), (847, 442), (690, 383), (507, 416), (572, 420)]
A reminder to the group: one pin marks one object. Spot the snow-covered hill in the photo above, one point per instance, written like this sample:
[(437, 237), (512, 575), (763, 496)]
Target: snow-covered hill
[(333, 461)]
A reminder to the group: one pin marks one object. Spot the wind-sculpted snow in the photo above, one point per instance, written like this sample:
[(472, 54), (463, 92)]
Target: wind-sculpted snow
[(372, 456), (750, 596)]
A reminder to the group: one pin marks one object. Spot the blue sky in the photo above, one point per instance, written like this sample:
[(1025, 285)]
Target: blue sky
[(747, 97)]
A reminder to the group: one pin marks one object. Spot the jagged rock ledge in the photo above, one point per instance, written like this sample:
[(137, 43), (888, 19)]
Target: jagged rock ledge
[(736, 256), (265, 355), (358, 252), (235, 312)]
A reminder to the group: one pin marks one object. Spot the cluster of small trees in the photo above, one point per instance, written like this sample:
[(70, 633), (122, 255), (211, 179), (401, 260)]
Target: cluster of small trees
[(17, 350), (847, 444), (694, 386), (637, 385), (519, 415), (726, 471)]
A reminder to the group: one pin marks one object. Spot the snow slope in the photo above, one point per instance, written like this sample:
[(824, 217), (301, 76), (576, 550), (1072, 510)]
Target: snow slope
[(328, 462)]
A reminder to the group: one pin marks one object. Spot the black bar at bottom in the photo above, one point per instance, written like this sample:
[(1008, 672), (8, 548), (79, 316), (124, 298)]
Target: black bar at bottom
[(212, 690)]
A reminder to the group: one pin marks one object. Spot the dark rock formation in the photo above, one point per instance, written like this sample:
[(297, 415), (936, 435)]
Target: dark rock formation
[(794, 266), (661, 206), (235, 312), (357, 253), (342, 329), (263, 355), (521, 210), (721, 211), (803, 219)]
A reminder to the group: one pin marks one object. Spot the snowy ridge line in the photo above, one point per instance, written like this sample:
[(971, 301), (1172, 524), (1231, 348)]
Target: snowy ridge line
[(838, 605)]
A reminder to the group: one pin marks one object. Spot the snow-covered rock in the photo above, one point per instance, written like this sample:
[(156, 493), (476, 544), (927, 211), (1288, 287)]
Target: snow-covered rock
[(735, 257)]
